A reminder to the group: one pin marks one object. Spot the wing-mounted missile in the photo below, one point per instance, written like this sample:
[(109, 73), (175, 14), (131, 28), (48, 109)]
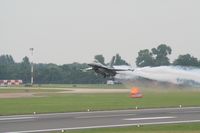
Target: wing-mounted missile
[(86, 69)]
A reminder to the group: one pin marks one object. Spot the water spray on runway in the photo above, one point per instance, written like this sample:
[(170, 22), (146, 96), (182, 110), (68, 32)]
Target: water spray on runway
[(171, 74)]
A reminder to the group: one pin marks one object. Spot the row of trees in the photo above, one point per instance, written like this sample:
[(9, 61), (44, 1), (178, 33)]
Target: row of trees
[(11, 70), (46, 73), (70, 73), (159, 57), (51, 73)]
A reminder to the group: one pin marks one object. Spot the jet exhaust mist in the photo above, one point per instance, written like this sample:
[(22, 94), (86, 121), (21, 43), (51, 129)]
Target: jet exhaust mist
[(180, 75)]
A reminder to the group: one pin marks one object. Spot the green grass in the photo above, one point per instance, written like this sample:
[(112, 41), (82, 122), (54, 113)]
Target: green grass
[(80, 86), (81, 102), (52, 102), (25, 90), (172, 128), (61, 86)]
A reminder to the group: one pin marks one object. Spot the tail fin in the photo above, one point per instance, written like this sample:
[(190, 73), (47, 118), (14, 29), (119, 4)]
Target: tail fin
[(112, 62)]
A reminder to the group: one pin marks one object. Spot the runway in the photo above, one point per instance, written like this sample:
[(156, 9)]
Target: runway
[(98, 119)]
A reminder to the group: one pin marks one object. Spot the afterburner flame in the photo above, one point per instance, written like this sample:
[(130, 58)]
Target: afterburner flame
[(135, 93)]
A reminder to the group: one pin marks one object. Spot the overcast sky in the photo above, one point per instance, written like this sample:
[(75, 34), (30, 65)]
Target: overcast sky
[(66, 31)]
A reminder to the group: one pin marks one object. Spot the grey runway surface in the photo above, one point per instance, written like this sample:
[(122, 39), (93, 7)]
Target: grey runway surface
[(98, 119)]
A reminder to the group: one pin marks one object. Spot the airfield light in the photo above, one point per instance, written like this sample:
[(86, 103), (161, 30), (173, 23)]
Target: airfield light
[(31, 49)]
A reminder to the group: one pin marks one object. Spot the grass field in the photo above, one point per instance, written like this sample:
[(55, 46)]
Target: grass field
[(80, 86), (25, 90), (52, 102), (173, 128), (81, 102)]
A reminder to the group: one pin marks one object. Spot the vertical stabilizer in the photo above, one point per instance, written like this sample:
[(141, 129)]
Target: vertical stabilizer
[(112, 62)]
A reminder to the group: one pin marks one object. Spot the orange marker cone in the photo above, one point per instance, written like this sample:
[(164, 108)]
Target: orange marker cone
[(135, 93)]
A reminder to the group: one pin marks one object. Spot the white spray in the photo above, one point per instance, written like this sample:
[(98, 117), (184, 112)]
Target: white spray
[(172, 74)]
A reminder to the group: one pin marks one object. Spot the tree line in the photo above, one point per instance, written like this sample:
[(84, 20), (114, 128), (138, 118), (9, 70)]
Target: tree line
[(52, 73), (72, 74), (159, 57)]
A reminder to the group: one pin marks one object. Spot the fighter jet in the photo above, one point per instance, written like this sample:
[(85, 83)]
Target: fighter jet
[(105, 70)]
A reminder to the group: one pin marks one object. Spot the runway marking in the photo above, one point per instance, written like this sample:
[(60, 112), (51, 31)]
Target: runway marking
[(102, 116), (149, 118), (105, 126), (75, 113), (15, 118), (186, 112)]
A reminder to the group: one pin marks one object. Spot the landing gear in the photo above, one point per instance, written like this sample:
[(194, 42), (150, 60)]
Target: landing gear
[(112, 78)]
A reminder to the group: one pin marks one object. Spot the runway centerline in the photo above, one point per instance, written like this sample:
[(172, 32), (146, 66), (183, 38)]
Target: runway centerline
[(149, 118), (104, 116), (98, 119), (15, 118)]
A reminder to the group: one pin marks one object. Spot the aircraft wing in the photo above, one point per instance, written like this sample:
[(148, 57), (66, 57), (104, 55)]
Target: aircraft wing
[(114, 69), (123, 69)]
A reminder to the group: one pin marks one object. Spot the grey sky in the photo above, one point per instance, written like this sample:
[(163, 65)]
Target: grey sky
[(66, 31)]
